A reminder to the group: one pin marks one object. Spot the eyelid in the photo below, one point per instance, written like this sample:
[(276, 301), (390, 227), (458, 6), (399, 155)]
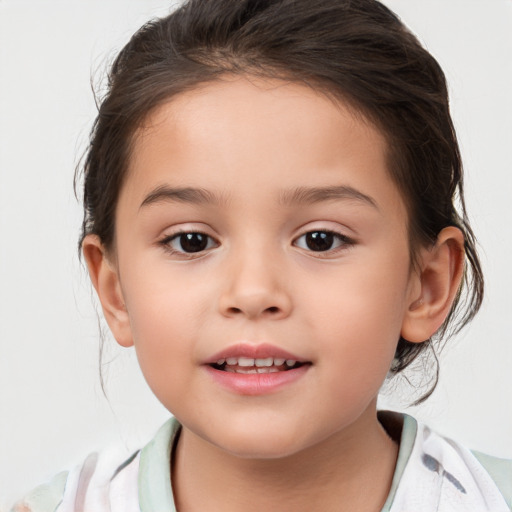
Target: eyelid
[(345, 242), (180, 228), (330, 226), (165, 242)]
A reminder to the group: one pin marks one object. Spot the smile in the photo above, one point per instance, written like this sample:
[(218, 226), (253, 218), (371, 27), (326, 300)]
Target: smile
[(248, 365), (247, 369)]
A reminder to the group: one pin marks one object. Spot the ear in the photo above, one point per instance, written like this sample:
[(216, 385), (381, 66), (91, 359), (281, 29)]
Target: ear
[(105, 279), (435, 286)]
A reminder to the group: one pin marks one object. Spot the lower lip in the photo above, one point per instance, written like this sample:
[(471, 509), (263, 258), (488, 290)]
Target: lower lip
[(254, 384)]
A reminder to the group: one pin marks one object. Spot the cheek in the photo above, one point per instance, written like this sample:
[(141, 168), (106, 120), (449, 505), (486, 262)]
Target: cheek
[(368, 296), (161, 300), (358, 318), (165, 317)]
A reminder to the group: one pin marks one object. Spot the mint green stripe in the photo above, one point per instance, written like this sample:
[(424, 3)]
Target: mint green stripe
[(155, 491), (47, 497), (409, 430), (500, 470)]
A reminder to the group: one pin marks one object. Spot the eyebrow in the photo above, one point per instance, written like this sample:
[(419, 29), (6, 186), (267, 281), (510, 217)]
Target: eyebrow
[(192, 195), (307, 195), (299, 195)]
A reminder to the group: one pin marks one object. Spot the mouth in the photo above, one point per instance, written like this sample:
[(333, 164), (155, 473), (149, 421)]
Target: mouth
[(249, 365), (255, 370)]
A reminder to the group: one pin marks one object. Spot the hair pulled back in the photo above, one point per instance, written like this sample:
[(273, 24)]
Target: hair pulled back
[(354, 50)]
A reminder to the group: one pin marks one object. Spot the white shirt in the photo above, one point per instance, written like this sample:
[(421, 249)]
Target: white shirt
[(433, 474)]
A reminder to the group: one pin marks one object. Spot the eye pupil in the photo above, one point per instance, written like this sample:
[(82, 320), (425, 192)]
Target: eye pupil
[(193, 242), (319, 240)]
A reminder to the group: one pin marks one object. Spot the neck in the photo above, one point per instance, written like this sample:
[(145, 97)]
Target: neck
[(331, 475)]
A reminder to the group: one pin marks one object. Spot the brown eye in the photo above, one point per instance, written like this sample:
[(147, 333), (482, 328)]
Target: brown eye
[(190, 242), (322, 241), (319, 241)]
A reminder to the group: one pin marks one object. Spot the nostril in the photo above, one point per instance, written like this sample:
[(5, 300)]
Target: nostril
[(270, 310)]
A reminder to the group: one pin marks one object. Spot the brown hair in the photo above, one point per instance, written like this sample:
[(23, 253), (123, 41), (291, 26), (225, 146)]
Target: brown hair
[(356, 50)]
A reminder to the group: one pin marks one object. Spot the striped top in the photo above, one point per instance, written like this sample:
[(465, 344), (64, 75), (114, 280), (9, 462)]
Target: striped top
[(432, 474)]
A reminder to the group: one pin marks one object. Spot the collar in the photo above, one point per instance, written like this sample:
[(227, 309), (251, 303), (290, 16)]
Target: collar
[(155, 491)]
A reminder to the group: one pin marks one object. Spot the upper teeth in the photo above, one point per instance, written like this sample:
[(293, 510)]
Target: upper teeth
[(249, 361)]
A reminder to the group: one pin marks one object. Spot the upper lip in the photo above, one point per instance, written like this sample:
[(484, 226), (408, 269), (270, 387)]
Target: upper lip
[(260, 351)]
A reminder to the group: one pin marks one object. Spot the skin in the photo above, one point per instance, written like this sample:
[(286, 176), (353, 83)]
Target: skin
[(251, 144)]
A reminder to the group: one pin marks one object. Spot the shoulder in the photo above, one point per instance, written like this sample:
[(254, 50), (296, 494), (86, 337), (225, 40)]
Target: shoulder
[(88, 486), (500, 471), (112, 482), (44, 498), (435, 471)]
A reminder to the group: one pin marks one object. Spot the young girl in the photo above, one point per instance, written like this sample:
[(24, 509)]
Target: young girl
[(270, 220)]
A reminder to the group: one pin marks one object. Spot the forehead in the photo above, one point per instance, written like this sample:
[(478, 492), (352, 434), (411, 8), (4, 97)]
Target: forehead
[(269, 133), (254, 110)]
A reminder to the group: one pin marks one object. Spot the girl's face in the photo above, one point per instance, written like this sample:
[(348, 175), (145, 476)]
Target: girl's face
[(258, 224)]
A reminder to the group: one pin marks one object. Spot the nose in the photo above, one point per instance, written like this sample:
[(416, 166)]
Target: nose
[(254, 286)]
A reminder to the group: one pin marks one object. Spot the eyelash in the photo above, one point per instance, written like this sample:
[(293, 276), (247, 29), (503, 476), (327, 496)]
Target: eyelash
[(166, 243), (343, 243)]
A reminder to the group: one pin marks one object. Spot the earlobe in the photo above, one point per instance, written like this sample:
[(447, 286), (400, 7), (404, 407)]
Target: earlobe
[(105, 279), (437, 283)]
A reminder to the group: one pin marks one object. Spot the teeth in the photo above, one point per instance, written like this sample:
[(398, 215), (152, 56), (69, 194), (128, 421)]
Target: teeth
[(261, 363), (265, 362), (267, 370)]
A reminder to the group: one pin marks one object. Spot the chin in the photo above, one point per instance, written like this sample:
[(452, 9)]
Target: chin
[(261, 444)]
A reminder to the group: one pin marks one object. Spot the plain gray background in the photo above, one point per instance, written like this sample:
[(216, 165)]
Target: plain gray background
[(52, 411)]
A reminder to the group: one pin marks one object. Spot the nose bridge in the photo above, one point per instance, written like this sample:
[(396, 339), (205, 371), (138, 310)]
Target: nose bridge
[(255, 282)]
